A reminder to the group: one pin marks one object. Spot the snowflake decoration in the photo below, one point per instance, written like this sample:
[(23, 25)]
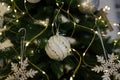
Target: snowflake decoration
[(21, 72), (109, 67), (4, 8), (5, 45)]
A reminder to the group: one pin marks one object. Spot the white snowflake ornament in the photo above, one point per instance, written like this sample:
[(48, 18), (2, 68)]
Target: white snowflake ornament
[(21, 72), (58, 47), (5, 45), (4, 8), (109, 67)]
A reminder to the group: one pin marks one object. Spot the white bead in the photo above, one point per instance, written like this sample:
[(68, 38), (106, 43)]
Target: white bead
[(58, 47)]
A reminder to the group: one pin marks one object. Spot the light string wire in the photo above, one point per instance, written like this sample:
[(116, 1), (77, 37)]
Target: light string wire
[(69, 16), (79, 63), (27, 10), (87, 28), (55, 18), (93, 38)]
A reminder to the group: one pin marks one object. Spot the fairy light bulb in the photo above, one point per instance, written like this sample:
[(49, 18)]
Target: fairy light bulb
[(118, 33), (0, 33), (23, 13), (43, 72), (71, 78), (13, 15), (115, 24), (3, 3), (84, 54), (15, 10), (106, 8), (12, 0), (27, 44), (25, 1), (96, 32), (8, 8), (17, 20), (19, 57), (57, 4)]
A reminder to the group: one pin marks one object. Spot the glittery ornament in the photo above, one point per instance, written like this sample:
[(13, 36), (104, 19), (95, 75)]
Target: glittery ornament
[(88, 6), (58, 47), (33, 1)]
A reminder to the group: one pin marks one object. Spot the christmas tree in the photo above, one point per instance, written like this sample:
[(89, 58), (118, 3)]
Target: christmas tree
[(56, 40)]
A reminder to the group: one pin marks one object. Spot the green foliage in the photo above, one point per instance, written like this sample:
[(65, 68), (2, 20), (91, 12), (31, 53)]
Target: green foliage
[(81, 32)]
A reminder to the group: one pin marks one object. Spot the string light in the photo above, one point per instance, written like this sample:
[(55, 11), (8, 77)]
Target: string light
[(84, 54), (96, 32), (15, 10), (17, 20), (71, 78), (19, 57), (8, 8), (12, 0), (106, 8), (3, 3), (25, 1), (0, 33), (27, 44), (115, 24), (23, 13), (43, 72), (118, 33)]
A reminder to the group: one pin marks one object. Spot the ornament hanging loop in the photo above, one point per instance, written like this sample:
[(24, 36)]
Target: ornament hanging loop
[(22, 42)]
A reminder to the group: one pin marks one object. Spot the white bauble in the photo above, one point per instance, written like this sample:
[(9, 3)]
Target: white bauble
[(58, 47), (33, 1)]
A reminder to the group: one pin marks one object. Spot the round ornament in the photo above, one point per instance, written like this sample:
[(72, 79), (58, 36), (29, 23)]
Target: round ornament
[(58, 47), (33, 1), (88, 6)]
